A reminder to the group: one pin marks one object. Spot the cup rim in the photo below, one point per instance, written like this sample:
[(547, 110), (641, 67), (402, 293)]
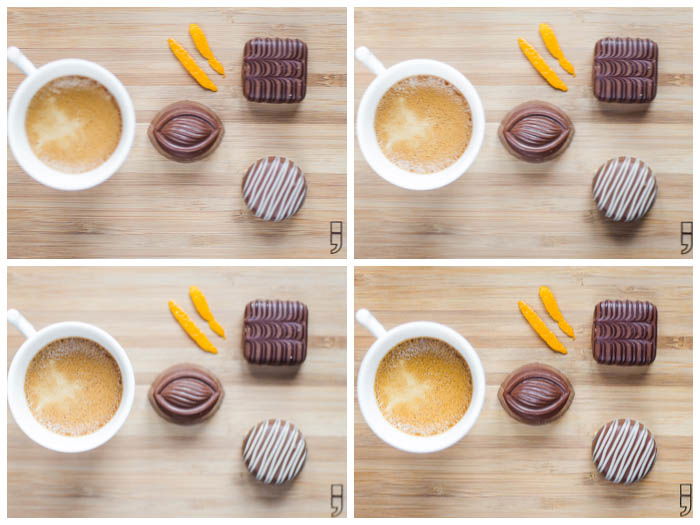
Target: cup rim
[(366, 136), (16, 133), (368, 402), (16, 398)]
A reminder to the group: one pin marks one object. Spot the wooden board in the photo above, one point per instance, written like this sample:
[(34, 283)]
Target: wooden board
[(156, 468), (503, 207), (154, 207), (508, 469)]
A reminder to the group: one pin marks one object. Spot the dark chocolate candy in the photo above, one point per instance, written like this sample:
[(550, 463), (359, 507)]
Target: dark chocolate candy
[(625, 70), (624, 189), (536, 394), (624, 332), (274, 451), (624, 451), (536, 131), (274, 70), (186, 394), (274, 188), (186, 131), (275, 332)]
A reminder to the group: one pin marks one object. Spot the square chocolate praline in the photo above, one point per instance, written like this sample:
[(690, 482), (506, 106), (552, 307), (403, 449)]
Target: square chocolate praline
[(274, 70), (275, 332), (625, 70), (624, 332)]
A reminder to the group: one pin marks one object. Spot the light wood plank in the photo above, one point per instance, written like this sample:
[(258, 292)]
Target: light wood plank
[(503, 207), (506, 468), (154, 207), (156, 468)]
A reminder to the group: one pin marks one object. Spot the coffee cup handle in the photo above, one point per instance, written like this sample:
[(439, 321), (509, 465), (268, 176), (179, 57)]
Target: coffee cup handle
[(18, 58), (17, 320), (371, 62), (366, 319)]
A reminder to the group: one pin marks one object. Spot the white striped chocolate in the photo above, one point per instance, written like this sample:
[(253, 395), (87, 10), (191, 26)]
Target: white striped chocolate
[(624, 189), (274, 188), (274, 451), (624, 451)]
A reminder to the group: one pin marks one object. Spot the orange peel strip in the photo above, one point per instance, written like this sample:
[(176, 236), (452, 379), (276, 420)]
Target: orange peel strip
[(552, 44), (202, 307), (540, 65), (202, 45), (191, 66), (540, 328), (191, 329), (550, 304)]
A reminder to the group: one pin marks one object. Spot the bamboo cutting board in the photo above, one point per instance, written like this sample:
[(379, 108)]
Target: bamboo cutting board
[(504, 468), (153, 468), (503, 207), (154, 207)]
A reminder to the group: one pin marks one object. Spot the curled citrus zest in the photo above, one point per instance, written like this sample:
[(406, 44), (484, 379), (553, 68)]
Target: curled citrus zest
[(191, 66), (550, 304), (202, 307), (550, 40), (540, 328), (202, 45), (191, 329), (540, 65)]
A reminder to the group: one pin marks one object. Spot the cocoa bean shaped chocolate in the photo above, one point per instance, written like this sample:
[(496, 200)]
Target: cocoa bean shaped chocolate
[(186, 394), (186, 131), (536, 394), (536, 131)]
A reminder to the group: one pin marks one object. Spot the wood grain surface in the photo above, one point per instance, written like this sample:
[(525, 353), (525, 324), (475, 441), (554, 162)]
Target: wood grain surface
[(153, 468), (509, 469), (503, 207), (154, 207)]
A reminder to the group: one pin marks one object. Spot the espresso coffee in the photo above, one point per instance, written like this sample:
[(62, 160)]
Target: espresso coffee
[(423, 124), (73, 124), (73, 386), (423, 386)]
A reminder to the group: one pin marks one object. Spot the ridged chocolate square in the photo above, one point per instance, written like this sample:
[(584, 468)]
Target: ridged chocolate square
[(625, 70), (275, 332), (274, 70), (624, 333)]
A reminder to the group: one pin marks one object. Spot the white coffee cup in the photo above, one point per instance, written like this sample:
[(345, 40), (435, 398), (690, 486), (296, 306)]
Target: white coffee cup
[(367, 136), (386, 340), (16, 115), (18, 369)]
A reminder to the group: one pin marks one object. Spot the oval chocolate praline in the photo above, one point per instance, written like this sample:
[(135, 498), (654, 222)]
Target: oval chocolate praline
[(536, 394), (186, 394), (536, 131), (186, 131)]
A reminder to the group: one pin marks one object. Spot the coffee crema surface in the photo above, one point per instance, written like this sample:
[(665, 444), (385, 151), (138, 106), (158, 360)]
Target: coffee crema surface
[(423, 386), (73, 124), (73, 386), (423, 124)]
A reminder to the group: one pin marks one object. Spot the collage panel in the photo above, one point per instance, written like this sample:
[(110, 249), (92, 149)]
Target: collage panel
[(464, 150), (250, 163), (183, 360), (523, 391)]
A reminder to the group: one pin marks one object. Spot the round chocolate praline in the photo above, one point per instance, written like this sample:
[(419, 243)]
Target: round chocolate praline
[(274, 188), (536, 394), (274, 451), (186, 394), (536, 131), (624, 451), (186, 131), (624, 189)]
